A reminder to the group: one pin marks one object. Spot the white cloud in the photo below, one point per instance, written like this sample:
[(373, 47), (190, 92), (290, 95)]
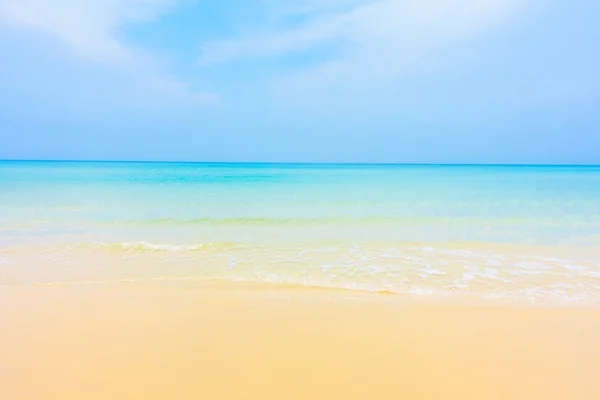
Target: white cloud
[(90, 28), (284, 8), (372, 38)]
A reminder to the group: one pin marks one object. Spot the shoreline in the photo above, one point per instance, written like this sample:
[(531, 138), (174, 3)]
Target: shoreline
[(300, 292), (500, 273), (260, 341)]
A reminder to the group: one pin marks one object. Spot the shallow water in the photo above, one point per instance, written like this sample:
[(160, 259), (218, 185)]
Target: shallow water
[(518, 232)]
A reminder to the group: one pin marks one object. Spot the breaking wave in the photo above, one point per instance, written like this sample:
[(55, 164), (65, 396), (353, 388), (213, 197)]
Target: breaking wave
[(451, 269)]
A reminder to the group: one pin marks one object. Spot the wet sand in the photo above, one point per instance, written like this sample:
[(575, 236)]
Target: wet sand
[(250, 342)]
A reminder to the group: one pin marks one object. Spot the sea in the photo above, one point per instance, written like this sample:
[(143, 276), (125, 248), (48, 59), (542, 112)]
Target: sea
[(519, 233)]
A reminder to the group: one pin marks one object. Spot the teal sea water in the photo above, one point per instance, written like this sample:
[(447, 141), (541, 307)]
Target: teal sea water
[(517, 232)]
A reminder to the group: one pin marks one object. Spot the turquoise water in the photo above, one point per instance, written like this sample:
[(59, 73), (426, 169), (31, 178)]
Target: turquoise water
[(493, 231)]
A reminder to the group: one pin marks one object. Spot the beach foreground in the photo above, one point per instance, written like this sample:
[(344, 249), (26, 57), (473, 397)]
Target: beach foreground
[(267, 342)]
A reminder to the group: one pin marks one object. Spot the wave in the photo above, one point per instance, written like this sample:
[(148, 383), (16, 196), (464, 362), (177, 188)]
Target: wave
[(154, 247), (323, 220), (436, 269)]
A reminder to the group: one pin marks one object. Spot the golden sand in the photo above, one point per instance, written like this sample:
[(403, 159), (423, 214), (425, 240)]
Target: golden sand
[(239, 342)]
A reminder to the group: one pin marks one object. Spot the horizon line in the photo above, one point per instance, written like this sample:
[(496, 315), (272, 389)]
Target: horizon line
[(301, 163)]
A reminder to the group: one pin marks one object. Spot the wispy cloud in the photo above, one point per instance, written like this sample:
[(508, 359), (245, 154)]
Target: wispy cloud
[(305, 7), (375, 38), (91, 28)]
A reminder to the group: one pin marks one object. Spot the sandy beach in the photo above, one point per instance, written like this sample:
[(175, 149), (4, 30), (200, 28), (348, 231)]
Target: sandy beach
[(268, 342), (299, 200)]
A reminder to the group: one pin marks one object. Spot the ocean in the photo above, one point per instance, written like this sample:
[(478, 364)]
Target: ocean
[(521, 233)]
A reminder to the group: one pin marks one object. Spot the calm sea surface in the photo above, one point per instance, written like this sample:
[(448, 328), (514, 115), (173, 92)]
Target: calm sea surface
[(516, 232)]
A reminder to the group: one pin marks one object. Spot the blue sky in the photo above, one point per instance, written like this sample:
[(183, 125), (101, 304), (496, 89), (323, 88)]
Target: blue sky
[(426, 81)]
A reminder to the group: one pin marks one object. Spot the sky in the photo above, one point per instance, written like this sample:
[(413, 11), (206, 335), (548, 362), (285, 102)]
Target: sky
[(374, 81)]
